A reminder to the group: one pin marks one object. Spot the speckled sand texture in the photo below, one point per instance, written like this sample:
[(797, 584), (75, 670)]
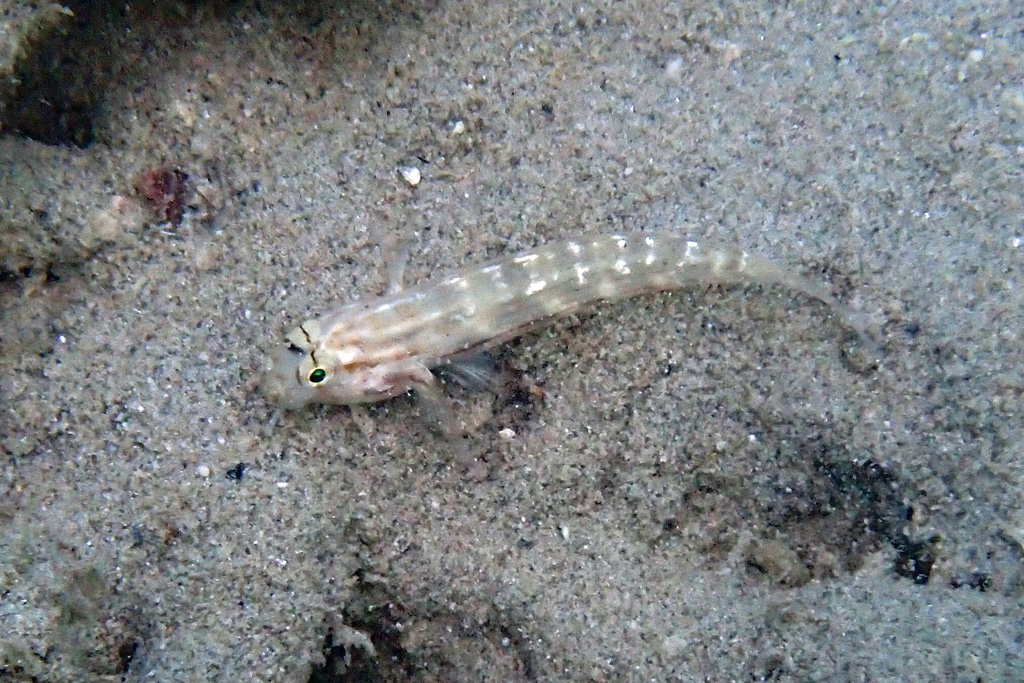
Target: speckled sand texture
[(709, 485)]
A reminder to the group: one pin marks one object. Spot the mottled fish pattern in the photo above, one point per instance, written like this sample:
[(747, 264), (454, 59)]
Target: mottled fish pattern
[(372, 350)]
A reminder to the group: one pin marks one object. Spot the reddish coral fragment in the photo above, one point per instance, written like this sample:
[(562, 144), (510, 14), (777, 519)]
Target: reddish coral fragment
[(164, 191)]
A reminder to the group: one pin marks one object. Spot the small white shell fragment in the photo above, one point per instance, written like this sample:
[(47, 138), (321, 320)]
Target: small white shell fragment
[(458, 128), (185, 112), (730, 52), (411, 175), (1013, 97), (564, 530), (203, 471), (507, 434), (917, 37), (674, 68)]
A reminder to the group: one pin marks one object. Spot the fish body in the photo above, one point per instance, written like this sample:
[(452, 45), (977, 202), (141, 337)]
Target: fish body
[(372, 350)]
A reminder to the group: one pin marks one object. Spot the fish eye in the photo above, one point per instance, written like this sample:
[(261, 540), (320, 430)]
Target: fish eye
[(318, 376)]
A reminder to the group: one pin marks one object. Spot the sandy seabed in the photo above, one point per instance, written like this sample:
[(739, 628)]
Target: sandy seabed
[(708, 485)]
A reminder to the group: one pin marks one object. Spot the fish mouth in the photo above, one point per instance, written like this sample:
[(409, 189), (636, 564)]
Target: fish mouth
[(279, 388), (271, 381)]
